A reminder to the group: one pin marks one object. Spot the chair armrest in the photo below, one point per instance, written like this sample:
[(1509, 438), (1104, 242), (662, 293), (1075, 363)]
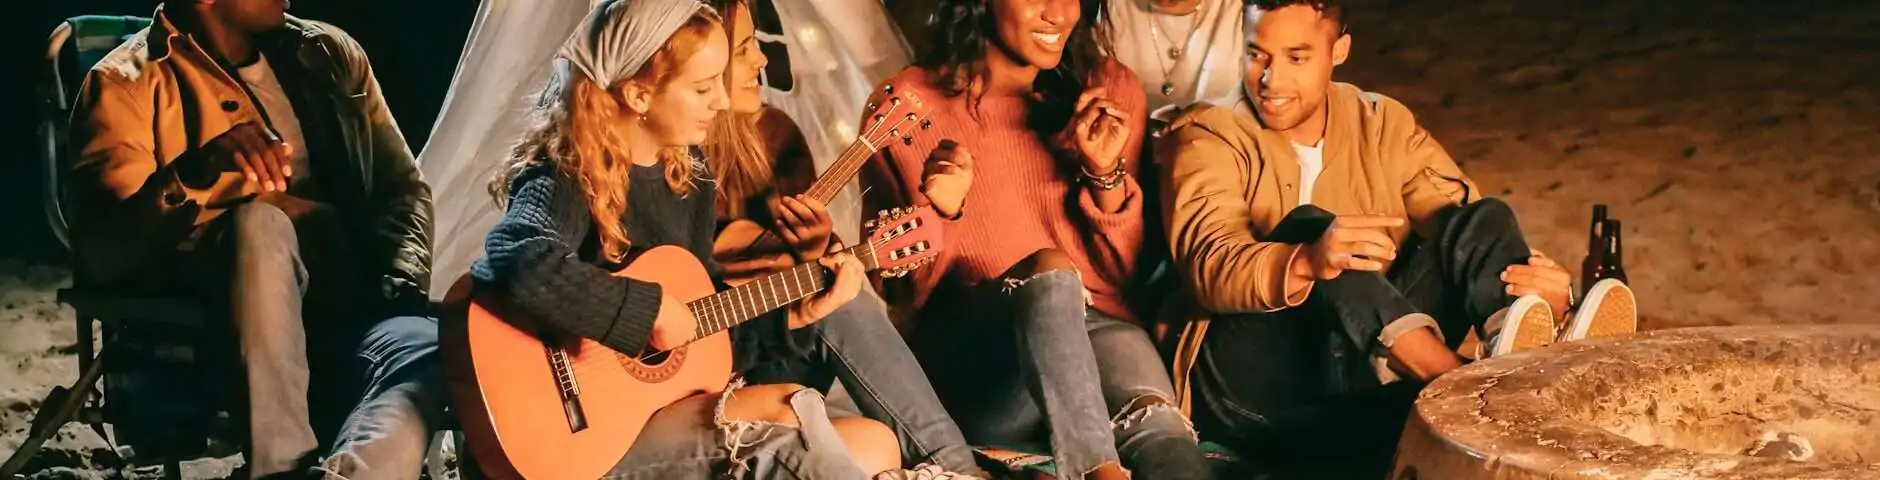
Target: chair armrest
[(112, 307)]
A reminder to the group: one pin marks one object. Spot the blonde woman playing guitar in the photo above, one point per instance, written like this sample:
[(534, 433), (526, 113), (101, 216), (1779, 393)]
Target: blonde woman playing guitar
[(608, 177)]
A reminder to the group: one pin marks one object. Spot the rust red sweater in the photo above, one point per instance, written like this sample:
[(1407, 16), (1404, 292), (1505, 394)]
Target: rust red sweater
[(1024, 196)]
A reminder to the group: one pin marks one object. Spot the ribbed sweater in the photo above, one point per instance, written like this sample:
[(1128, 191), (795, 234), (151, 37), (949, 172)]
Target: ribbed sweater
[(1025, 196), (543, 258)]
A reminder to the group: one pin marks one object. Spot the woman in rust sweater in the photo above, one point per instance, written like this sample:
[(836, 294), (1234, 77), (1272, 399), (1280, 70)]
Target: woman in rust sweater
[(1031, 155)]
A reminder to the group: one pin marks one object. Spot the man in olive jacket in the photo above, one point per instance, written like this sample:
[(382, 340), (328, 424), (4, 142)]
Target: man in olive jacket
[(239, 155), (1330, 248)]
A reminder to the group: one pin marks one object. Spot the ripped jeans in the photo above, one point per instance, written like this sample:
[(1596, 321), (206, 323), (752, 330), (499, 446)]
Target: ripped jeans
[(1026, 360), (693, 438), (858, 346)]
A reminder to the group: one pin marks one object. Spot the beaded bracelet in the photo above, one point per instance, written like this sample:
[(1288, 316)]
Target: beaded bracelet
[(1106, 181)]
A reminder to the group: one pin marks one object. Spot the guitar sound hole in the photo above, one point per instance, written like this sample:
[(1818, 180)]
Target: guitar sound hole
[(653, 358), (653, 366)]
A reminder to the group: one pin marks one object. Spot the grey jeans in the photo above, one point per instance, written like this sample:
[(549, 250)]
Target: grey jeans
[(387, 433), (1026, 355), (858, 346)]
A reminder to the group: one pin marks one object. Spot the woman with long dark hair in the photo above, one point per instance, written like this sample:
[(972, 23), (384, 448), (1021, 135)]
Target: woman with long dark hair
[(608, 165), (1025, 321)]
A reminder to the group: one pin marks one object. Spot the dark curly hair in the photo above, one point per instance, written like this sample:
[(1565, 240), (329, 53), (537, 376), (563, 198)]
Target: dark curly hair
[(1333, 10), (957, 55)]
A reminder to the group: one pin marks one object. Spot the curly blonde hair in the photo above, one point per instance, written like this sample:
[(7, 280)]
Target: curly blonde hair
[(573, 131)]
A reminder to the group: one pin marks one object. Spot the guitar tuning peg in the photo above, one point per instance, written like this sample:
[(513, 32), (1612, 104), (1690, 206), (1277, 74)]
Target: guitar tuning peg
[(896, 101), (880, 117), (888, 88), (907, 140), (872, 106), (910, 117), (926, 124)]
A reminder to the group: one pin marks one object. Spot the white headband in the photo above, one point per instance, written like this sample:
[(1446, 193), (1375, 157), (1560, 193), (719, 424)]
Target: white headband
[(620, 36)]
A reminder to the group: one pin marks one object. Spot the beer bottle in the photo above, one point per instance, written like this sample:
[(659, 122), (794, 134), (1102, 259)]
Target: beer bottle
[(1614, 252), (1595, 250)]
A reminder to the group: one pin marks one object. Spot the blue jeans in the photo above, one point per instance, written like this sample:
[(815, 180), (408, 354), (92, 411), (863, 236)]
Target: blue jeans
[(1031, 355), (1298, 388), (386, 434), (857, 346), (389, 432)]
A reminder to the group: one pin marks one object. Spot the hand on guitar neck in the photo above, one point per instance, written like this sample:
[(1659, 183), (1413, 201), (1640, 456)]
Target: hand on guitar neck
[(800, 223), (848, 283), (676, 325)]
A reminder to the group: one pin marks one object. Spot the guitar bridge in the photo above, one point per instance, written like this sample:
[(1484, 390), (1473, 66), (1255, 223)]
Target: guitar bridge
[(568, 388)]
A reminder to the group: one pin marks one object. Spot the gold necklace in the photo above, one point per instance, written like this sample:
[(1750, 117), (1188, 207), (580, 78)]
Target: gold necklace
[(1177, 47)]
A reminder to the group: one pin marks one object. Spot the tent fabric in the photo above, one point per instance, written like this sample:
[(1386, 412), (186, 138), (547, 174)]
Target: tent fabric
[(506, 59)]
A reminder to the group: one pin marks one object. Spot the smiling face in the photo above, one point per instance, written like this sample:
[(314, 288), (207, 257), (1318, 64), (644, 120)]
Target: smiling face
[(1034, 32), (747, 61), (680, 111), (1291, 51)]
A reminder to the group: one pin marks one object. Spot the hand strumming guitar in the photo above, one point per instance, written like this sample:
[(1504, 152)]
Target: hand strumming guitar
[(946, 177), (675, 325), (847, 284), (804, 224)]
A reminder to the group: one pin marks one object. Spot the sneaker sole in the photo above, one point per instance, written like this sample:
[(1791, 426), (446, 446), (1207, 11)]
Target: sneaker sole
[(1534, 328), (1610, 310)]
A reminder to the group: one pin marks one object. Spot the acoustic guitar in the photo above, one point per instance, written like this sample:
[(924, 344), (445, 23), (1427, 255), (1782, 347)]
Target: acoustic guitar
[(894, 117), (538, 404)]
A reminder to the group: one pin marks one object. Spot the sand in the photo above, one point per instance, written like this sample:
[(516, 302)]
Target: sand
[(1740, 144)]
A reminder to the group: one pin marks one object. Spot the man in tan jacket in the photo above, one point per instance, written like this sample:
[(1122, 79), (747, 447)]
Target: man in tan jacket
[(235, 154), (1330, 248)]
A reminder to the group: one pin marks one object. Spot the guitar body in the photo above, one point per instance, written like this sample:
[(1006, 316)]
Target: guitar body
[(510, 403)]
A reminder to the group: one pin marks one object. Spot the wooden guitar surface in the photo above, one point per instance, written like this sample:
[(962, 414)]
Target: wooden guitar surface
[(510, 398)]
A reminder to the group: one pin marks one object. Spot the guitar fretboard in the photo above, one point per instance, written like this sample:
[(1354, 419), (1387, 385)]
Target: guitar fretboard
[(726, 309), (850, 162)]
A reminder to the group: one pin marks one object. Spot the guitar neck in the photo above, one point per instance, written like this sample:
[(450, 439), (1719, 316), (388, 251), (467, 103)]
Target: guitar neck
[(743, 303), (844, 169), (831, 181)]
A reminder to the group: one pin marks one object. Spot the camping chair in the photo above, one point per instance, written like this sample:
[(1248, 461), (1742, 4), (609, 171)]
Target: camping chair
[(154, 363)]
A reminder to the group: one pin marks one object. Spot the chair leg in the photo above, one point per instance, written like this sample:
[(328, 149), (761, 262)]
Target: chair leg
[(54, 412), (173, 470)]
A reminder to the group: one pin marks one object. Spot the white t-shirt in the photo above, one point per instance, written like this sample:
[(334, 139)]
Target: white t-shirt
[(260, 79), (1210, 66), (1311, 162)]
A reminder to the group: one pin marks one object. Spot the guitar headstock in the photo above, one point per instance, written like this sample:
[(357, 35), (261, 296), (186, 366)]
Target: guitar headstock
[(893, 116), (904, 239)]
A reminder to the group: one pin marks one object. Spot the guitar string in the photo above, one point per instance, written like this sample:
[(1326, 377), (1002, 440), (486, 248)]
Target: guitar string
[(722, 316)]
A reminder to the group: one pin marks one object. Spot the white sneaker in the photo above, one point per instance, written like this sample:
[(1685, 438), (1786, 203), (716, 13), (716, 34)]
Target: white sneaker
[(1609, 310), (1527, 323)]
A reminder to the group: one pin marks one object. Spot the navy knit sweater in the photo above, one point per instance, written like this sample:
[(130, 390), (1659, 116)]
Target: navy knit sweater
[(544, 258)]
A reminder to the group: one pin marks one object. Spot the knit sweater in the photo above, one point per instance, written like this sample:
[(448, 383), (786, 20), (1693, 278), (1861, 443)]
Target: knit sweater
[(543, 257), (1025, 195)]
